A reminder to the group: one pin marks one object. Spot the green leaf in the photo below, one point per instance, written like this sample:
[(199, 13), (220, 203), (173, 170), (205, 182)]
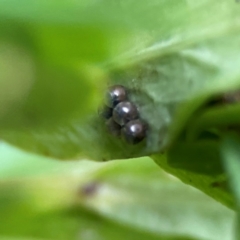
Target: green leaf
[(231, 153), (219, 117), (39, 95), (159, 100), (172, 66), (231, 160), (132, 198), (201, 157), (198, 153), (213, 185)]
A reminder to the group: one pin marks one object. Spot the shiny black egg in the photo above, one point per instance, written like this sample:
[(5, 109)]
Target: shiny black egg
[(125, 112), (115, 95), (134, 131)]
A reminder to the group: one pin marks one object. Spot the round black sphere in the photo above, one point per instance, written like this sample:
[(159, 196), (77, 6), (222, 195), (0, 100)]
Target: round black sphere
[(113, 127), (125, 112), (134, 131), (115, 95)]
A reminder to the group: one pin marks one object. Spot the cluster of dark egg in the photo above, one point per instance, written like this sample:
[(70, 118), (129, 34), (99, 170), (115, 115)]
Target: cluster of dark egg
[(122, 116)]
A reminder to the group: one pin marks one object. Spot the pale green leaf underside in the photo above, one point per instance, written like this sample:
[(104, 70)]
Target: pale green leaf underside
[(121, 199)]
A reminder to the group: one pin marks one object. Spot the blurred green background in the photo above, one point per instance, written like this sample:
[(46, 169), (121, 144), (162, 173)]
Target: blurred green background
[(42, 198)]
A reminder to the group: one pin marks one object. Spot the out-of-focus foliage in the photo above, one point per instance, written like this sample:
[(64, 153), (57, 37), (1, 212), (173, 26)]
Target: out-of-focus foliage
[(42, 198)]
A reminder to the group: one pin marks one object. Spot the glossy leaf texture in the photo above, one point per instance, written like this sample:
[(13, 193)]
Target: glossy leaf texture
[(46, 199)]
